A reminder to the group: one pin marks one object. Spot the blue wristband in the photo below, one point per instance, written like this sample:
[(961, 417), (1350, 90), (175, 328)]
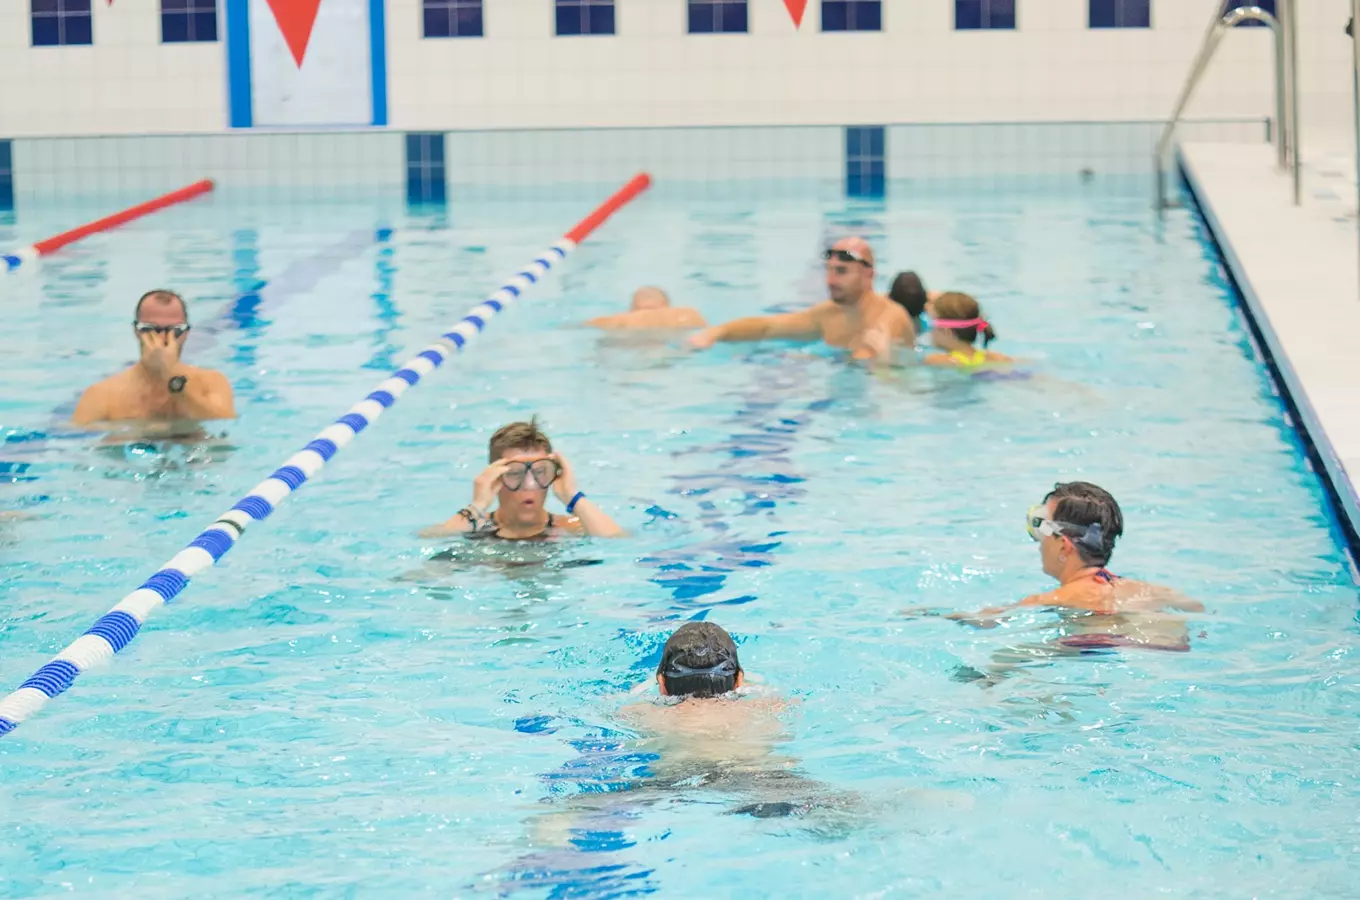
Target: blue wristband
[(571, 507)]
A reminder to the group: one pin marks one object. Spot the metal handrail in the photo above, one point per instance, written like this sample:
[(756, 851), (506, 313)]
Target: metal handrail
[(1286, 86)]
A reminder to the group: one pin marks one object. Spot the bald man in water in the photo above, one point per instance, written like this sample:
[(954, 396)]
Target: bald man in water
[(651, 309), (159, 388), (856, 317)]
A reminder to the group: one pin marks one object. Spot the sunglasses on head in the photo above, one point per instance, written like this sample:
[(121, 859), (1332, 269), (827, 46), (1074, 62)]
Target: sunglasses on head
[(846, 256), (148, 328), (545, 472)]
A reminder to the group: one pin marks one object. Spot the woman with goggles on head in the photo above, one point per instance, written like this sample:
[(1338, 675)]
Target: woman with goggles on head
[(523, 468)]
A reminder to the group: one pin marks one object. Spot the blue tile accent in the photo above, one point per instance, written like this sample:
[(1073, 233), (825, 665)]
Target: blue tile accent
[(452, 18), (6, 174), (377, 44), (1120, 14), (117, 627), (852, 15), (188, 21), (718, 17), (866, 168), (577, 17), (970, 15), (425, 182), (68, 23), (242, 107)]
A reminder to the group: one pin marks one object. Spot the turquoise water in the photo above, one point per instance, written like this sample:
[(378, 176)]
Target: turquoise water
[(325, 712)]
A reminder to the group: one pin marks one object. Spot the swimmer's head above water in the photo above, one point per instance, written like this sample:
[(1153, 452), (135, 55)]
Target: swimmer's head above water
[(956, 318), (529, 467), (909, 292), (699, 660), (650, 298), (1076, 527), (849, 270)]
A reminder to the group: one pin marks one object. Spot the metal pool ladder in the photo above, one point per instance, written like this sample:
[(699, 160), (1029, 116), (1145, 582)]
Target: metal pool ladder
[(1286, 131)]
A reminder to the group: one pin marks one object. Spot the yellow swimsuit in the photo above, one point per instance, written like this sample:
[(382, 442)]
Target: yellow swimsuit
[(977, 358)]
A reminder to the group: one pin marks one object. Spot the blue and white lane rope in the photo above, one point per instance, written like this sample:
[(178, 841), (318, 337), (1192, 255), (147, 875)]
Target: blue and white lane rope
[(116, 629)]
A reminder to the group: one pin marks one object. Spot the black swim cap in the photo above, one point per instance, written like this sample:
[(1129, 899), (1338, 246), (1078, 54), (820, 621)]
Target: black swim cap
[(699, 660)]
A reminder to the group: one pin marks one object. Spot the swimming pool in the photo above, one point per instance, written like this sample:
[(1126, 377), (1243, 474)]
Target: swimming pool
[(327, 711)]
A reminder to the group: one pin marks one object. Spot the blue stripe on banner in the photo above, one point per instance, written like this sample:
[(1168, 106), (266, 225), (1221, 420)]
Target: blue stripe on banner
[(476, 321), (355, 421), (6, 726), (166, 582), (118, 628), (322, 447), (377, 44), (458, 339), (433, 356), (407, 375), (215, 541), (256, 507), (238, 64), (495, 304), (291, 476), (382, 398), (53, 678)]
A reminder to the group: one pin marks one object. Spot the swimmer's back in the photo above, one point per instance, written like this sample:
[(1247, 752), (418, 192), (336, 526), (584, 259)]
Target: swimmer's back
[(676, 317)]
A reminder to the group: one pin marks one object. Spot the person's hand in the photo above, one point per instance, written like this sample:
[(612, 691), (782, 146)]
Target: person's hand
[(702, 340), (486, 485), (160, 353), (565, 485)]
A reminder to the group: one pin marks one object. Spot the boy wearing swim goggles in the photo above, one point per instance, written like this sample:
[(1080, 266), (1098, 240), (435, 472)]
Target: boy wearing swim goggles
[(508, 496), (159, 387)]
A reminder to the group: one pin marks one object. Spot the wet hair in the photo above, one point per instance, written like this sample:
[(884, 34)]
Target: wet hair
[(699, 660), (160, 295), (518, 436), (909, 293), (1082, 504), (954, 305)]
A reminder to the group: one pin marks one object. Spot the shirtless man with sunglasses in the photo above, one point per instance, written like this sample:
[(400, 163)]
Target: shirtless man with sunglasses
[(159, 387), (523, 467), (856, 317)]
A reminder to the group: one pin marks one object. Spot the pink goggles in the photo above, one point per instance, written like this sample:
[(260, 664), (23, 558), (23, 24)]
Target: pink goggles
[(979, 322)]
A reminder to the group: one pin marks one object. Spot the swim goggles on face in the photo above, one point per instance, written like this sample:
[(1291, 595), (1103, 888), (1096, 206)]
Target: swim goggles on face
[(847, 256), (545, 472), (148, 328), (979, 323), (1040, 526), (723, 669)]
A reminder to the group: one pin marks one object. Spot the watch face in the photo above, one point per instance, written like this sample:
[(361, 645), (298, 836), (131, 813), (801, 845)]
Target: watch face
[(177, 384)]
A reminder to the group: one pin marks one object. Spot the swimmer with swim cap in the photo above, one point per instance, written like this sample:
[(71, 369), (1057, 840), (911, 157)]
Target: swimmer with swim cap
[(523, 468), (855, 317), (956, 323), (159, 388), (651, 309)]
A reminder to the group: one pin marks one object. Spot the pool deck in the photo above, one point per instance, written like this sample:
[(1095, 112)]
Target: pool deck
[(1298, 269)]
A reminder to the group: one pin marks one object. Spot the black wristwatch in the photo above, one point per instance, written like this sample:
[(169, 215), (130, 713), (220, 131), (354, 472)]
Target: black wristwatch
[(177, 384)]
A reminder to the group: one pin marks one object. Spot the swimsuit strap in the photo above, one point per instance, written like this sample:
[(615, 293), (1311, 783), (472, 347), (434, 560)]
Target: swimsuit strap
[(1105, 575)]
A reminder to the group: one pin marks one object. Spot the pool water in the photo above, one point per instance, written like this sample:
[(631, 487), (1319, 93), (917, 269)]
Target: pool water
[(328, 712)]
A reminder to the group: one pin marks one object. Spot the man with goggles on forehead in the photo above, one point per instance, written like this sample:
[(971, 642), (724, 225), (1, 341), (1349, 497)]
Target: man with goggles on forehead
[(856, 317), (159, 387), (523, 468), (1076, 527)]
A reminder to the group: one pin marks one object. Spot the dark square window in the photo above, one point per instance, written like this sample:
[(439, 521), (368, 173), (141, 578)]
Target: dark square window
[(852, 15), (59, 23), (453, 18), (717, 16), (984, 14), (1120, 13), (188, 21), (585, 17)]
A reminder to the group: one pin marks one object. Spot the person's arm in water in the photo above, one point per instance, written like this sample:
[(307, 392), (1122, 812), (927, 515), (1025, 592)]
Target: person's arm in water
[(890, 327), (586, 516), (484, 490), (804, 325)]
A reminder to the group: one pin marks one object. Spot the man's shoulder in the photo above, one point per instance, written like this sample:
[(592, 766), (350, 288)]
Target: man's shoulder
[(201, 372), (112, 382)]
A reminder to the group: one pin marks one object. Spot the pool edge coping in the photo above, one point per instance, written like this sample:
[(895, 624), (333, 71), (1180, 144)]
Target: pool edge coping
[(1322, 456)]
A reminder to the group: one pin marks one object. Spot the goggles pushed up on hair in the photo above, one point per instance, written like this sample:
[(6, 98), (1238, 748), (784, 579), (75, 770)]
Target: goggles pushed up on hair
[(847, 256), (148, 328), (545, 471), (978, 323), (1040, 526)]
